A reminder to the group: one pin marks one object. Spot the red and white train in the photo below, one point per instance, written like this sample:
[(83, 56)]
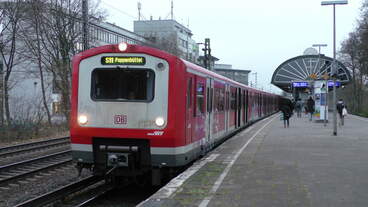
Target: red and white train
[(139, 111)]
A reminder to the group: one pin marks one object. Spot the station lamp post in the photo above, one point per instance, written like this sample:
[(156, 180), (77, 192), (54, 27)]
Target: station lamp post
[(334, 69)]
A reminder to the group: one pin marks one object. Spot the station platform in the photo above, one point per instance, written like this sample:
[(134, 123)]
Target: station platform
[(269, 165)]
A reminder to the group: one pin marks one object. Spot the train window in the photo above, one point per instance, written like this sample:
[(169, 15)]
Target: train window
[(216, 99), (220, 99), (122, 85), (189, 93), (208, 100), (227, 101), (200, 99), (233, 100)]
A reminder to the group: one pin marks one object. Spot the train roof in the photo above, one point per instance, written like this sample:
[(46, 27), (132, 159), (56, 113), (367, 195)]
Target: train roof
[(131, 48), (218, 76)]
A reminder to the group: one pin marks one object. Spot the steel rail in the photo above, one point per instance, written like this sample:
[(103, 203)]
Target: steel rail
[(23, 174), (98, 195), (61, 192), (7, 169), (6, 151), (42, 158)]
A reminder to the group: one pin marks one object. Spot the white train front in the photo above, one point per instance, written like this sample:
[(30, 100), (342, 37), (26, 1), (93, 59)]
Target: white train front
[(141, 111)]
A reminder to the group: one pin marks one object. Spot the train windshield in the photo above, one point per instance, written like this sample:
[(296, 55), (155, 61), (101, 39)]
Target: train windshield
[(119, 84)]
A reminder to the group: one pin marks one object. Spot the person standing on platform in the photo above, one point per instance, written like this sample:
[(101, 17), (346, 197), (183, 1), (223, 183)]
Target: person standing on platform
[(298, 107), (340, 106), (285, 107), (310, 107)]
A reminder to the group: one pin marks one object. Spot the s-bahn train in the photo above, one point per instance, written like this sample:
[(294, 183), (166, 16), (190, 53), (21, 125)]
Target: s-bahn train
[(138, 111)]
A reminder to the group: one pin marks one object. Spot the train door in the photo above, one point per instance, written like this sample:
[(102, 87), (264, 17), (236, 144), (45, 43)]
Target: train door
[(199, 131), (235, 107), (260, 105), (238, 107), (227, 107), (232, 108), (209, 115), (243, 107), (251, 106), (246, 106), (189, 109), (258, 97)]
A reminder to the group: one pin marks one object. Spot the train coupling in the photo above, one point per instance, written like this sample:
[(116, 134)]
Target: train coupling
[(117, 159)]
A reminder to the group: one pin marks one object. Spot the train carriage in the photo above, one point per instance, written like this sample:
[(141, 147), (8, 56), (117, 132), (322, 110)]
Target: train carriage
[(137, 110)]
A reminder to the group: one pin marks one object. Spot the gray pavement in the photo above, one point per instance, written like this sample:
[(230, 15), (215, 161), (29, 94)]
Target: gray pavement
[(269, 165)]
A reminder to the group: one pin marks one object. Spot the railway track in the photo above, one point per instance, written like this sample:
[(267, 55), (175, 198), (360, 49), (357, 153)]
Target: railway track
[(96, 196), (25, 168), (33, 146), (62, 192)]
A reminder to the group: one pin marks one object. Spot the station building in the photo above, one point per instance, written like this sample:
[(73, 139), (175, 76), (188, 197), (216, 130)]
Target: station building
[(238, 75), (170, 36)]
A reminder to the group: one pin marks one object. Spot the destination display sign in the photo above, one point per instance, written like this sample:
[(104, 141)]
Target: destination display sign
[(300, 84), (123, 60), (306, 84), (331, 83)]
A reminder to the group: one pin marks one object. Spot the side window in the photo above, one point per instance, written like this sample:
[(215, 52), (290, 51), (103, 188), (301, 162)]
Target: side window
[(216, 99), (211, 99), (189, 93), (227, 101), (200, 99), (233, 100), (222, 99), (208, 99)]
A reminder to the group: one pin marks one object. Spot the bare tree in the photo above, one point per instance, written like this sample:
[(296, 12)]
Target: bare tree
[(350, 58), (30, 34), (11, 16), (56, 28), (354, 54)]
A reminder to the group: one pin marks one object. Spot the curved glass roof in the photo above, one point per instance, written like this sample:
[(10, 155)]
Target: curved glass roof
[(307, 68)]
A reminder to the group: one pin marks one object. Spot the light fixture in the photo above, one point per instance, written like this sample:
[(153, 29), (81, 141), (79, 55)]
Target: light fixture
[(123, 46), (82, 119), (160, 121)]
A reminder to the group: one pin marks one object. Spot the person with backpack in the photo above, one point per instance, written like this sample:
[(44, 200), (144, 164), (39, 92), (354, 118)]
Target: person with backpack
[(286, 109), (341, 109)]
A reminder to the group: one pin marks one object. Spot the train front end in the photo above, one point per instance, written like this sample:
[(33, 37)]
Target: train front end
[(119, 115)]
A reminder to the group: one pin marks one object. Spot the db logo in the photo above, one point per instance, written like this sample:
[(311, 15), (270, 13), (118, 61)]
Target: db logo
[(120, 119)]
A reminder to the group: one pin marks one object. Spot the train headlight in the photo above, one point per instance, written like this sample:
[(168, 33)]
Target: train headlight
[(160, 121), (82, 119), (123, 46)]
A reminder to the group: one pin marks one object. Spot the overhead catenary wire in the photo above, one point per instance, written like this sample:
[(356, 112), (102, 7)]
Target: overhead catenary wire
[(119, 10)]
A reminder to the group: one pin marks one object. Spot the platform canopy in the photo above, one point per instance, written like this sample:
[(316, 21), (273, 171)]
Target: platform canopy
[(308, 68)]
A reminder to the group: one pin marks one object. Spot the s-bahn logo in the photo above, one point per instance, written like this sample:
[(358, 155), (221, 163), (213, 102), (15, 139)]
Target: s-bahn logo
[(120, 119)]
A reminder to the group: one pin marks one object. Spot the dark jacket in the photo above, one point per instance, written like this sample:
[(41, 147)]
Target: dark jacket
[(286, 111), (339, 106), (310, 105), (286, 107)]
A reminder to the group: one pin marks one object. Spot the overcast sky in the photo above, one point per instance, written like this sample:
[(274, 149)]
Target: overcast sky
[(252, 35)]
